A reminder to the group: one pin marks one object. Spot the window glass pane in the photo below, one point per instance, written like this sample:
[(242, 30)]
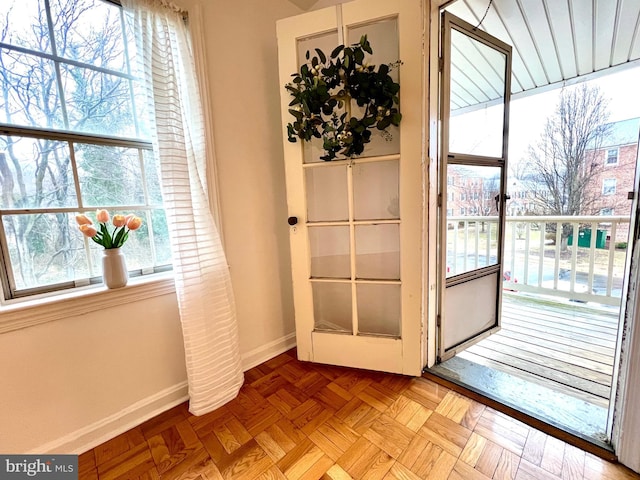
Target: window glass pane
[(378, 309), (152, 176), (35, 173), (89, 31), (160, 233), (45, 249), (378, 251), (312, 151), (327, 193), (477, 97), (332, 307), (23, 23), (330, 252), (97, 102), (109, 175), (383, 37), (30, 94), (472, 218), (375, 190)]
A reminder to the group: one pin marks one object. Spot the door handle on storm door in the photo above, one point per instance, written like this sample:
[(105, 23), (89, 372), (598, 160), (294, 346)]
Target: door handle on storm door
[(292, 221), (497, 199)]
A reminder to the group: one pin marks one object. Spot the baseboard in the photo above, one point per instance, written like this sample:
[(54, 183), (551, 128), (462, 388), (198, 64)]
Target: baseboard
[(268, 351), (99, 432)]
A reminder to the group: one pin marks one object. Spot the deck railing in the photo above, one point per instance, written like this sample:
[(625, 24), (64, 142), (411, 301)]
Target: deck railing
[(581, 258)]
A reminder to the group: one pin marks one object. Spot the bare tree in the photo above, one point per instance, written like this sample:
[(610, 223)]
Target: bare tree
[(561, 169)]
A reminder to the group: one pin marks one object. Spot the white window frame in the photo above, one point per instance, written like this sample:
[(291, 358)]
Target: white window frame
[(607, 156), (9, 291), (611, 189)]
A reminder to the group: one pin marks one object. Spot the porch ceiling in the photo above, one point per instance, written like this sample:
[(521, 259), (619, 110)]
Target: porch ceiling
[(554, 41)]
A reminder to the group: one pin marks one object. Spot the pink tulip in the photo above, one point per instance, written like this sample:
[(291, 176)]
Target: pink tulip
[(119, 221), (134, 223), (88, 230), (102, 216), (82, 219)]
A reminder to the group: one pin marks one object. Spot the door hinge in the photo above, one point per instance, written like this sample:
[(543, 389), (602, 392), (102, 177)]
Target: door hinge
[(440, 64), (439, 199), (439, 321)]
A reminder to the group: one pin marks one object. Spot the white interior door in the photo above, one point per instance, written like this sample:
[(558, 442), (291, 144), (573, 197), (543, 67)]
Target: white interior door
[(355, 231), (475, 87)]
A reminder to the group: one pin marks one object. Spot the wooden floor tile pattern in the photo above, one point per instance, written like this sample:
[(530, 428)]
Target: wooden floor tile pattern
[(300, 421)]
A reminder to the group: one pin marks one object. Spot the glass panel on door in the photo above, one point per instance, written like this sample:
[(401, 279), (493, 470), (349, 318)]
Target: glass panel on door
[(355, 223), (475, 106), (472, 217), (477, 97)]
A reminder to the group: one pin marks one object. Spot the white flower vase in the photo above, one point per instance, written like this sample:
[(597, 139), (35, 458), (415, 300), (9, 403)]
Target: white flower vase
[(114, 268)]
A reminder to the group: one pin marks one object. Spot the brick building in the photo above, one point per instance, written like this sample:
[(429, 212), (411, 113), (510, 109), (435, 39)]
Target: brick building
[(616, 161)]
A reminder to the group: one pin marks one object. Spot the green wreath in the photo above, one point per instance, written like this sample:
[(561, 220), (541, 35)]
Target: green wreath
[(324, 85)]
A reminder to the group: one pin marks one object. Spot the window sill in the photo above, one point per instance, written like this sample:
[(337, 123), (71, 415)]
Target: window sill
[(26, 313)]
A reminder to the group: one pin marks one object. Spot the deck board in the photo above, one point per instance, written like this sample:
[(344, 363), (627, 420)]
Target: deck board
[(567, 348)]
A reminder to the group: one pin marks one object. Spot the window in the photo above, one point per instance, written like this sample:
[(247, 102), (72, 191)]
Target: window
[(463, 211), (606, 211), (74, 139), (612, 156), (609, 186), (463, 196)]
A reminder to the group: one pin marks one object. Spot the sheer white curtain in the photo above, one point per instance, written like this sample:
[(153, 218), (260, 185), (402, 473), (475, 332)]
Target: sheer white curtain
[(164, 60)]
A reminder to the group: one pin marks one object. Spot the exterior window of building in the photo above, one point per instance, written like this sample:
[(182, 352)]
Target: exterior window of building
[(612, 156), (606, 211), (609, 186), (463, 211)]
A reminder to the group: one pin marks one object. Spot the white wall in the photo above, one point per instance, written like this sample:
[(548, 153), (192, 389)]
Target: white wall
[(80, 375), (63, 376), (242, 59)]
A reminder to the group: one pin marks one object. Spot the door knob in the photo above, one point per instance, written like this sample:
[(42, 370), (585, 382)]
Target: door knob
[(292, 221)]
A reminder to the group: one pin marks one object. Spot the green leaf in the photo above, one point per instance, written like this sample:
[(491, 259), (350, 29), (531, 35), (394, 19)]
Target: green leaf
[(306, 55), (336, 51), (296, 113), (359, 56), (118, 242), (383, 69), (106, 237), (323, 57)]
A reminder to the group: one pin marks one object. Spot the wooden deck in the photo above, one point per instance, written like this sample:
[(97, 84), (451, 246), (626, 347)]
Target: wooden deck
[(569, 348)]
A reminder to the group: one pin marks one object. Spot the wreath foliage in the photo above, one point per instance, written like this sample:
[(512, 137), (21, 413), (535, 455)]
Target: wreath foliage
[(326, 85)]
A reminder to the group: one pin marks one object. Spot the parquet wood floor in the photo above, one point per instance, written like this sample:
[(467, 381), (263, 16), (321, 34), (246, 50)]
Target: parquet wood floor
[(300, 421)]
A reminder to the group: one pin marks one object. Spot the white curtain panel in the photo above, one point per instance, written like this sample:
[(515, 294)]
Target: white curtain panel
[(164, 60)]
